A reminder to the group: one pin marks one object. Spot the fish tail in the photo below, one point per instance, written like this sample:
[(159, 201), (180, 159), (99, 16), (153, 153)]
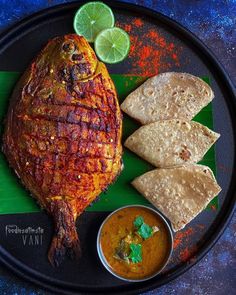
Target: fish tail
[(65, 240)]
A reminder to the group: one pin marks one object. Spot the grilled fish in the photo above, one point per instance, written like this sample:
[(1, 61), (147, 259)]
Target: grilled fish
[(63, 135)]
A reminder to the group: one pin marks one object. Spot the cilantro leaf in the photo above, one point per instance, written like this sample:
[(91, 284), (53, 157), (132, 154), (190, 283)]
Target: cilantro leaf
[(145, 231), (136, 253), (138, 221)]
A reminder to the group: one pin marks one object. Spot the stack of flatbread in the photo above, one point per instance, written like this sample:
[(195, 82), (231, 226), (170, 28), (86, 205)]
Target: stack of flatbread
[(169, 140)]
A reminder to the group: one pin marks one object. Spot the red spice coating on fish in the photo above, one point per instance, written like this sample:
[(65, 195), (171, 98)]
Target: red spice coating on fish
[(63, 134)]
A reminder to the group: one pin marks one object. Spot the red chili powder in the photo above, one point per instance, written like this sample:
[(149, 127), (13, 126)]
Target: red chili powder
[(174, 56), (181, 236), (187, 253), (127, 28), (213, 207), (138, 22), (150, 51), (183, 241)]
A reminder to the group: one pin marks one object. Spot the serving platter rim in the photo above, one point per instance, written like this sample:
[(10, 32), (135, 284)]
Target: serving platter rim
[(227, 209)]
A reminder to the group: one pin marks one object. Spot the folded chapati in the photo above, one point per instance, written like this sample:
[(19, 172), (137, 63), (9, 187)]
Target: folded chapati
[(167, 96), (173, 142), (200, 168), (180, 193)]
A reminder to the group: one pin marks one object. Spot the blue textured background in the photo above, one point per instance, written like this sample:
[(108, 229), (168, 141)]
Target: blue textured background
[(214, 22)]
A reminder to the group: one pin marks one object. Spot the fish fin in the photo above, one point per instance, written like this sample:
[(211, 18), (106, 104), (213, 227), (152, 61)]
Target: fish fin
[(65, 240)]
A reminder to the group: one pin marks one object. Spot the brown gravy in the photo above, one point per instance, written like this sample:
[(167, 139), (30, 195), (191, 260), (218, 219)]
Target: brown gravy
[(154, 250)]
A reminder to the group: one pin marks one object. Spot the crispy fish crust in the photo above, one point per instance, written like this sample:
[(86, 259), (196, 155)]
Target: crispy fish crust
[(63, 134)]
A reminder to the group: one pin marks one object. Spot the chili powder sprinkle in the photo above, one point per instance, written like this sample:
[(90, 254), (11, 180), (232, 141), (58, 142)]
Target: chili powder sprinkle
[(150, 51), (187, 253), (181, 236)]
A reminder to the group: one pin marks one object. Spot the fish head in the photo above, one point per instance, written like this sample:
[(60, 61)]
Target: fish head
[(70, 57)]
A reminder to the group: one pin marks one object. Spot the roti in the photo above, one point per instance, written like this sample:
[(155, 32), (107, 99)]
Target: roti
[(200, 168), (180, 193), (173, 142), (168, 96)]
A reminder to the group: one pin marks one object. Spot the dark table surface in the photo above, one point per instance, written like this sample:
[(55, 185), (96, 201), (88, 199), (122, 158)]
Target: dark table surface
[(214, 22)]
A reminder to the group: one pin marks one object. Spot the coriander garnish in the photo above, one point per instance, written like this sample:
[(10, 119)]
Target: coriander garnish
[(138, 221), (130, 247), (136, 253), (144, 230)]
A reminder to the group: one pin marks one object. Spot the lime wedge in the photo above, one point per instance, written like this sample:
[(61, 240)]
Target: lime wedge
[(92, 18), (112, 45)]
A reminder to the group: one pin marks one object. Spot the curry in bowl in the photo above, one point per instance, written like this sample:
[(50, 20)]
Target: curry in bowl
[(134, 243)]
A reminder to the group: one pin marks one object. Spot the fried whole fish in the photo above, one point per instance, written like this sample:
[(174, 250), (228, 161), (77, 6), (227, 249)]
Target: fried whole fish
[(63, 134)]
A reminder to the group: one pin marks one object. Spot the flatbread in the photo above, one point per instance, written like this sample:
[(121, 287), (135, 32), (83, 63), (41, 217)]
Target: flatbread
[(180, 193), (168, 96), (173, 142), (200, 168)]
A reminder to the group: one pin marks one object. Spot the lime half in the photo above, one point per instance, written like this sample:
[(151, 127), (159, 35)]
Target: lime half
[(92, 18), (112, 45)]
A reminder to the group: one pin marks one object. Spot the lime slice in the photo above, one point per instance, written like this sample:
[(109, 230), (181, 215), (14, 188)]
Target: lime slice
[(92, 18), (112, 45)]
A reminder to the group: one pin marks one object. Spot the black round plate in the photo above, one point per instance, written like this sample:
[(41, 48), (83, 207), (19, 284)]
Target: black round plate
[(17, 48)]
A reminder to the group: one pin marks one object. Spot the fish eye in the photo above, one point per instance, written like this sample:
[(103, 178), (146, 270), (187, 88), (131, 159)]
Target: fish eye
[(68, 46)]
